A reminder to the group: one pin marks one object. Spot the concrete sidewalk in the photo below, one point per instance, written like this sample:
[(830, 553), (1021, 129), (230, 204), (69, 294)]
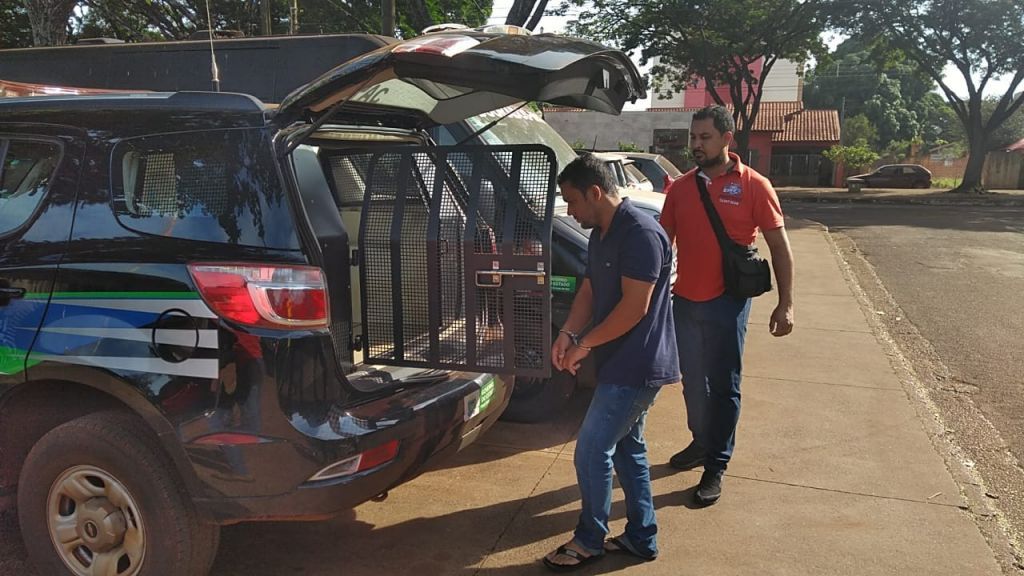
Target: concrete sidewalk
[(834, 473)]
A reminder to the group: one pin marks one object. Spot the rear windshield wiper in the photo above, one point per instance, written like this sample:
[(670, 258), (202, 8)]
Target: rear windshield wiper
[(490, 125)]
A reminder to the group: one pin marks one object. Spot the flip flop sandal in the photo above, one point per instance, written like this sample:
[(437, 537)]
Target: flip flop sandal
[(582, 560), (619, 545)]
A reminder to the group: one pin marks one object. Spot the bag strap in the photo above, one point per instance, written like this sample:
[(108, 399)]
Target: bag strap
[(724, 241)]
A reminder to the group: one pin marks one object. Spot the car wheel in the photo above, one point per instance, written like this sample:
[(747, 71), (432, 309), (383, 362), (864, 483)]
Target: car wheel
[(537, 399), (98, 496)]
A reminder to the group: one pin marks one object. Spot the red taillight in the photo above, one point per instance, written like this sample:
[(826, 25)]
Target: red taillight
[(264, 295), (376, 456), (372, 458)]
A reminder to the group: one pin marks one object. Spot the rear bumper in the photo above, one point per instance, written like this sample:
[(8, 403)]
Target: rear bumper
[(429, 423)]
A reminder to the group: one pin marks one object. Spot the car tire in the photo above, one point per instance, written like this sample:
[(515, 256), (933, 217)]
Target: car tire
[(537, 399), (103, 484)]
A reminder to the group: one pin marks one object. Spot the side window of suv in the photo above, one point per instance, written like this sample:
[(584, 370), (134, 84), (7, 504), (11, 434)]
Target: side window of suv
[(214, 186), (25, 173)]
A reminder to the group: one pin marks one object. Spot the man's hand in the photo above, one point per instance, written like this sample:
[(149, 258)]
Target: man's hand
[(558, 350), (573, 358), (782, 320)]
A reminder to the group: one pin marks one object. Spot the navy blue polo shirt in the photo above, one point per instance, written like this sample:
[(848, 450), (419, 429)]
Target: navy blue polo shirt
[(636, 247)]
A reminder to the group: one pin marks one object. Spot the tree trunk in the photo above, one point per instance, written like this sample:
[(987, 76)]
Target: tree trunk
[(49, 20), (976, 140), (520, 12), (538, 13), (741, 142), (975, 168)]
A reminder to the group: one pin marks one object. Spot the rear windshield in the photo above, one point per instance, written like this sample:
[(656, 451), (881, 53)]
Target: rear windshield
[(213, 186), (524, 127), (668, 167)]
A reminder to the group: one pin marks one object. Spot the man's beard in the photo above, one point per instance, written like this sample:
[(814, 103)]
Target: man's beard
[(708, 161)]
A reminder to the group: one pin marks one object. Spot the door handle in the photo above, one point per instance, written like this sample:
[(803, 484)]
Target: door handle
[(495, 278), (10, 293)]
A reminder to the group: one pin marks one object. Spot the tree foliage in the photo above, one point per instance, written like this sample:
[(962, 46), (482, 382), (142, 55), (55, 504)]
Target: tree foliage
[(719, 41), (141, 20), (855, 158), (15, 29), (859, 129), (1009, 132), (979, 39), (886, 88)]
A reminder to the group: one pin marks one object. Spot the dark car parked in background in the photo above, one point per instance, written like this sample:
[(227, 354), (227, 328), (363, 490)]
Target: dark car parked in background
[(893, 176)]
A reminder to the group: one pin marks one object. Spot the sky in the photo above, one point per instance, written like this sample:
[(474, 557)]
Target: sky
[(557, 24)]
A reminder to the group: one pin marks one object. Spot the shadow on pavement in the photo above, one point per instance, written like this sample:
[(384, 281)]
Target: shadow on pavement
[(446, 544)]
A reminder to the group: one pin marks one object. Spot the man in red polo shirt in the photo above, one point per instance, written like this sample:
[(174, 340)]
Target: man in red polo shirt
[(711, 325)]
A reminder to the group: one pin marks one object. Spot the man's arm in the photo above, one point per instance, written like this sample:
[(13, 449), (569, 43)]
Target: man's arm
[(579, 317), (781, 322), (631, 308)]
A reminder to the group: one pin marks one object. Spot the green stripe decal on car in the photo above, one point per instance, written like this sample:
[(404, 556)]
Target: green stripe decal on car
[(12, 361)]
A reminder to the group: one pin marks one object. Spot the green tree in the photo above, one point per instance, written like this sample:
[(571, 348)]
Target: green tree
[(854, 158), (888, 111), (1009, 132), (884, 85), (980, 39), (719, 41), (15, 29), (140, 20), (859, 129)]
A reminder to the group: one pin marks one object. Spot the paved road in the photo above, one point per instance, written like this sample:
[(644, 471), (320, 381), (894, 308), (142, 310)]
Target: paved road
[(957, 274)]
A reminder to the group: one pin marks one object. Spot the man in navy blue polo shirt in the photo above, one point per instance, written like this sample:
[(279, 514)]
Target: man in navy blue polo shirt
[(622, 315)]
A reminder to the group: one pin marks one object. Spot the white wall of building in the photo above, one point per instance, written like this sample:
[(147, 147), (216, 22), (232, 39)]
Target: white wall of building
[(783, 84)]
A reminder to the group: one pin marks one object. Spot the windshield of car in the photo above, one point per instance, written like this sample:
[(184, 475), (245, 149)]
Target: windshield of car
[(523, 126)]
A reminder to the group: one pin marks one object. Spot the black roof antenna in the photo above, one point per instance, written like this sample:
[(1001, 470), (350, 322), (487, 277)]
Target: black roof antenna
[(213, 57)]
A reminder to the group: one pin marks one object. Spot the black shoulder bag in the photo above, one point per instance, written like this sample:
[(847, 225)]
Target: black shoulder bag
[(747, 275)]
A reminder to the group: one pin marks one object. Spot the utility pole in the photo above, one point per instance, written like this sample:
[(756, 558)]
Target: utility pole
[(294, 20), (265, 28), (387, 18)]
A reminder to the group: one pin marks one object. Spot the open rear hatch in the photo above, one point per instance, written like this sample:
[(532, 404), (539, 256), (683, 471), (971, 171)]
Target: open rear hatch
[(454, 243), (449, 76)]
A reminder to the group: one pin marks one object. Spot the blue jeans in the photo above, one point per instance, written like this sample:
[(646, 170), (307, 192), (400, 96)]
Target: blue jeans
[(612, 435), (710, 336)]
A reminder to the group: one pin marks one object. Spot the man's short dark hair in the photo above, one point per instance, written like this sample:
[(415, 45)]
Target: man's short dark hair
[(720, 115), (588, 170)]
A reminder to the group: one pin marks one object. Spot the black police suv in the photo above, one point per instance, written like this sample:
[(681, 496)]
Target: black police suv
[(215, 311)]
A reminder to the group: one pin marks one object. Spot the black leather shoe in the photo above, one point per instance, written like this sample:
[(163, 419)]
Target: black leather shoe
[(710, 488), (689, 458)]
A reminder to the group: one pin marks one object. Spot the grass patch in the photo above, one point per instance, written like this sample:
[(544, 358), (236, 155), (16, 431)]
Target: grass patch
[(947, 183)]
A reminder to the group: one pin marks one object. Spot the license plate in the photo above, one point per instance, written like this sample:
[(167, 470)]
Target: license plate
[(478, 400)]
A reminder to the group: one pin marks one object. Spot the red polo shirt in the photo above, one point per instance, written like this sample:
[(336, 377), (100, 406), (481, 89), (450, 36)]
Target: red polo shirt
[(745, 201)]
